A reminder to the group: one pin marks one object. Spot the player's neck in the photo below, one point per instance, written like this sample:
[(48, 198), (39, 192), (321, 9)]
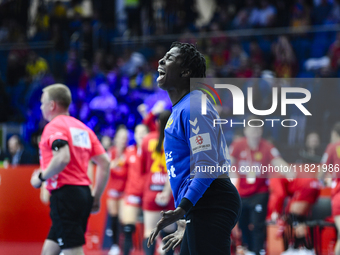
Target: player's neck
[(176, 96), (253, 145)]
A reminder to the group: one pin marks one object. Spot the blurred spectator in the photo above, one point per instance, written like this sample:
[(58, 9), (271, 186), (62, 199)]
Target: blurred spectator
[(244, 71), (334, 53), (135, 61), (18, 153), (4, 31), (263, 16), (237, 55), (300, 14), (334, 16), (285, 64), (321, 12), (106, 142), (224, 12), (312, 152), (242, 18), (36, 66), (59, 10), (42, 20), (105, 101), (256, 55), (73, 70), (98, 65)]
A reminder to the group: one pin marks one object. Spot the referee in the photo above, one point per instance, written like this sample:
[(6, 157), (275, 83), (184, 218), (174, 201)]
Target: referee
[(66, 147), (210, 203)]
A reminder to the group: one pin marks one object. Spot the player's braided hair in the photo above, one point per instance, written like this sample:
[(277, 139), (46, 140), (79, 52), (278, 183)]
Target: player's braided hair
[(192, 59)]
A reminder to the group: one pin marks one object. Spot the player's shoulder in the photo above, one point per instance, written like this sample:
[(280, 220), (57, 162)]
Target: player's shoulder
[(193, 106), (131, 149), (332, 147), (239, 142), (150, 136), (266, 144)]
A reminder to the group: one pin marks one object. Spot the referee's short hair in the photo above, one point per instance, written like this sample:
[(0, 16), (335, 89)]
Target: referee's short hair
[(59, 93), (192, 59)]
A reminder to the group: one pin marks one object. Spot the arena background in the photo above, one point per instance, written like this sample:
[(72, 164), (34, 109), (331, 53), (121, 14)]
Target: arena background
[(107, 53)]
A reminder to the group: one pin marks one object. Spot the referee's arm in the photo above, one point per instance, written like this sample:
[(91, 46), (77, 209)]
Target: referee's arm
[(60, 160), (102, 176)]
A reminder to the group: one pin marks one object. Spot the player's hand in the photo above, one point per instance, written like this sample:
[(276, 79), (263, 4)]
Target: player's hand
[(158, 107), (168, 218), (162, 198), (327, 182), (236, 232), (35, 181), (95, 205), (142, 110), (114, 164), (173, 240)]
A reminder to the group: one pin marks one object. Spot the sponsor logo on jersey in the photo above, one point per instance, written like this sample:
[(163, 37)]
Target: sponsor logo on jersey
[(168, 157), (200, 142), (80, 138)]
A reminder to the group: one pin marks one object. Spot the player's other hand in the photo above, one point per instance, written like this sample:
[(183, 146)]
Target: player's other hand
[(173, 240), (168, 218), (162, 198), (35, 181), (95, 205)]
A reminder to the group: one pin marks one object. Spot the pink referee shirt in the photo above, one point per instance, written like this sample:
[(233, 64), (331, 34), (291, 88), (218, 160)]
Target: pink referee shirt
[(83, 144)]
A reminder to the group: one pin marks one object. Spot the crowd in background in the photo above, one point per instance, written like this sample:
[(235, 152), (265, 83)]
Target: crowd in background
[(115, 84)]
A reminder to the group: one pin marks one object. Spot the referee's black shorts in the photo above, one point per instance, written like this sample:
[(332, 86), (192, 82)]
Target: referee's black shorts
[(70, 209), (210, 221)]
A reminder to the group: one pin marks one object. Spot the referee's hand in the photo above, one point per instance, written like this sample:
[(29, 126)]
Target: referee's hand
[(168, 218), (95, 205), (35, 181)]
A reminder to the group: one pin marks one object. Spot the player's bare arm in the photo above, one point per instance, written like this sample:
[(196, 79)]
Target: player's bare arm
[(102, 176), (164, 196)]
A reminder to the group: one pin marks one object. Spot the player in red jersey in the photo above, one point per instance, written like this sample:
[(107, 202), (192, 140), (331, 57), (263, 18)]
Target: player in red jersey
[(134, 187), (303, 193), (116, 184), (331, 157), (253, 151), (66, 147), (154, 168)]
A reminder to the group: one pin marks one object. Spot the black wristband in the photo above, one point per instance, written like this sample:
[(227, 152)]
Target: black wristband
[(185, 204), (40, 177)]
